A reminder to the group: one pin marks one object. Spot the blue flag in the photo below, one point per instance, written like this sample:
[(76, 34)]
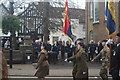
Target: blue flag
[(110, 15)]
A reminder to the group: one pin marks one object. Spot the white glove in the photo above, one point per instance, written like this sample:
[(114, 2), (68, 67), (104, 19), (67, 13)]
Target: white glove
[(65, 60), (110, 41), (70, 61), (84, 72)]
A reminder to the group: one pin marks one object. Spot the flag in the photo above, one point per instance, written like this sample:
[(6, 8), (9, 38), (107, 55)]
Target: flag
[(110, 15), (66, 25)]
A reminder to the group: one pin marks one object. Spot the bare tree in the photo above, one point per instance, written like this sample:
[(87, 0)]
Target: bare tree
[(50, 24)]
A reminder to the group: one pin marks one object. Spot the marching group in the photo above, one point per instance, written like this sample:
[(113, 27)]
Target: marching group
[(105, 51)]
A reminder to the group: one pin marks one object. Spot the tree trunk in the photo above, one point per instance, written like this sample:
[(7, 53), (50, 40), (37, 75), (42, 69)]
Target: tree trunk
[(46, 22), (14, 43)]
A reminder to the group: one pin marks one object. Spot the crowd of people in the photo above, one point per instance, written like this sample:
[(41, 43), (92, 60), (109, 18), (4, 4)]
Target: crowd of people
[(61, 49), (105, 51), (58, 51), (6, 43)]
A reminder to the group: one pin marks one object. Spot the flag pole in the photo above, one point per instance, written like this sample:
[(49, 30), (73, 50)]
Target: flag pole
[(110, 24), (110, 37), (66, 25)]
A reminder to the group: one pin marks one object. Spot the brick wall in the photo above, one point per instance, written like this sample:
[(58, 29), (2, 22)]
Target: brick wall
[(99, 28)]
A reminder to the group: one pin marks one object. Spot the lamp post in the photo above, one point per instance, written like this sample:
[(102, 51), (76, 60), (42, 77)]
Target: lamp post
[(11, 48), (11, 51)]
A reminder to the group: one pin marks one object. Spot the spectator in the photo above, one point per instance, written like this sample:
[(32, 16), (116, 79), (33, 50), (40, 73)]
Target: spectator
[(54, 50), (91, 50), (7, 44), (48, 48), (68, 49), (115, 60), (61, 48)]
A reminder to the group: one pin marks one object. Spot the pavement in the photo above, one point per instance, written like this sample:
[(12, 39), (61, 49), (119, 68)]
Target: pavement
[(60, 69)]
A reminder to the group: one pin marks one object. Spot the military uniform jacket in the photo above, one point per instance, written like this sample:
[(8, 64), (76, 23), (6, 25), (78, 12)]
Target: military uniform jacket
[(42, 65), (115, 59), (105, 56), (80, 69)]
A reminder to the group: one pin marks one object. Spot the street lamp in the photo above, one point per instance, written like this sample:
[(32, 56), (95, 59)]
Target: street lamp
[(11, 49)]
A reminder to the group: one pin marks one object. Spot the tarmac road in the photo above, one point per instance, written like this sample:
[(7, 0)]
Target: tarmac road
[(50, 78), (59, 71)]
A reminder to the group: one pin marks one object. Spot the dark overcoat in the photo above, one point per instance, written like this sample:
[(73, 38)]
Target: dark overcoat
[(80, 69), (42, 65)]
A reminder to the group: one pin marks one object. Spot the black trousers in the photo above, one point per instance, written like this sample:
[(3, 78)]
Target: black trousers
[(62, 54), (80, 79), (115, 74), (90, 56)]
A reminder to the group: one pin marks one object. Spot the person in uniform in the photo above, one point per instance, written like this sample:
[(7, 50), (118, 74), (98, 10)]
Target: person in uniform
[(105, 58), (115, 60), (80, 70), (42, 65), (55, 53)]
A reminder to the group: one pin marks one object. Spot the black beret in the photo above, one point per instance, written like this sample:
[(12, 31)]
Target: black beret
[(79, 39), (81, 44), (104, 40), (118, 34)]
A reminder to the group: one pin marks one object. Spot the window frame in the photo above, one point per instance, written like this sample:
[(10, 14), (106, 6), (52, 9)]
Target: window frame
[(105, 10), (94, 19), (91, 9)]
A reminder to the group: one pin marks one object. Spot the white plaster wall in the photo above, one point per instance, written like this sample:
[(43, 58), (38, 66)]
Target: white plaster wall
[(77, 30)]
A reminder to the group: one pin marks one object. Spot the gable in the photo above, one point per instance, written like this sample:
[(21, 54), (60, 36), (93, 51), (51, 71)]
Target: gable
[(30, 11)]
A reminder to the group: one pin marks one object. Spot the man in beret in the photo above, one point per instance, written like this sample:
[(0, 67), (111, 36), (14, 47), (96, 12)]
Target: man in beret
[(105, 58), (115, 60), (80, 69)]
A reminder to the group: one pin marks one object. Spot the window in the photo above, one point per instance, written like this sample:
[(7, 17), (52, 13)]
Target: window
[(55, 38), (105, 8), (96, 10), (105, 3), (91, 9), (91, 35), (84, 28)]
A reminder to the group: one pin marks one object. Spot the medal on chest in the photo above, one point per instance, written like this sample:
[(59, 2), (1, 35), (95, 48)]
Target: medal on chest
[(114, 53)]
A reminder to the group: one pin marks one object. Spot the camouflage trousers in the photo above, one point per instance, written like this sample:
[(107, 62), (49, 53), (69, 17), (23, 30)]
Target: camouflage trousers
[(104, 74)]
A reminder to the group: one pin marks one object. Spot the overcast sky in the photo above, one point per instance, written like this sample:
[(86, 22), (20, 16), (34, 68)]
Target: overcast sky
[(79, 2)]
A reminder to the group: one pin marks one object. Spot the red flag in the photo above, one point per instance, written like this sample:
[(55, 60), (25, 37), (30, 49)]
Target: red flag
[(66, 25)]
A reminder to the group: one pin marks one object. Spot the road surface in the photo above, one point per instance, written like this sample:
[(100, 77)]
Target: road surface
[(50, 78)]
